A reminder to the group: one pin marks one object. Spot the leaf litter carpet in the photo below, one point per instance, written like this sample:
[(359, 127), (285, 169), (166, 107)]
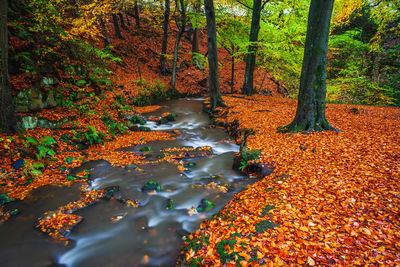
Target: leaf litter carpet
[(333, 199)]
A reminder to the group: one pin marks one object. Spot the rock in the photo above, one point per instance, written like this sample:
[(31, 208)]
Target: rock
[(29, 122), (166, 117), (48, 81), (18, 164), (151, 186), (190, 164), (145, 149), (170, 204), (137, 119), (14, 212), (28, 100), (50, 100), (110, 191), (205, 205), (260, 169), (132, 166), (36, 103)]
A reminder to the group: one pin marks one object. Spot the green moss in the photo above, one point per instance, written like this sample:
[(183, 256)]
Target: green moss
[(263, 226)]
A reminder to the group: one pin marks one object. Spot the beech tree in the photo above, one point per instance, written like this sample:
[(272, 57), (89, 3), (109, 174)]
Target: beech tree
[(165, 37), (181, 27), (251, 56), (310, 114), (213, 79), (7, 119)]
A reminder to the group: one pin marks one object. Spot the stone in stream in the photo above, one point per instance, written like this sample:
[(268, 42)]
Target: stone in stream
[(14, 212), (110, 191), (205, 205), (190, 164), (166, 117), (18, 164), (151, 186), (170, 204)]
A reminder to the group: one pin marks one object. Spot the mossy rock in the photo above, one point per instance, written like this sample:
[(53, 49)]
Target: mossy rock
[(151, 186), (205, 205)]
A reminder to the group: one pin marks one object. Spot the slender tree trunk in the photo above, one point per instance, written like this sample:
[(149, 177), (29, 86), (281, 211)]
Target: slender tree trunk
[(136, 8), (127, 19), (165, 37), (121, 18), (106, 36), (310, 114), (195, 40), (177, 41), (213, 79), (251, 56), (7, 119), (116, 27), (232, 68)]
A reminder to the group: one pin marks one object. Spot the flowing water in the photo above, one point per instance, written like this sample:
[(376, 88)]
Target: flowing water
[(147, 235)]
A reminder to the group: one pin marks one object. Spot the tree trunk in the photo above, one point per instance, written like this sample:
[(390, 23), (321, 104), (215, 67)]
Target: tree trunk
[(127, 19), (213, 79), (106, 37), (195, 40), (233, 68), (136, 8), (116, 27), (310, 114), (177, 41), (251, 56), (165, 38), (7, 119), (121, 18)]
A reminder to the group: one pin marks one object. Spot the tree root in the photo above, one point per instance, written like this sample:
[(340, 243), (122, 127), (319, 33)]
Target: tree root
[(297, 127)]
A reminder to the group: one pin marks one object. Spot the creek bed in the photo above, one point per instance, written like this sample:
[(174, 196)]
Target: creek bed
[(113, 234)]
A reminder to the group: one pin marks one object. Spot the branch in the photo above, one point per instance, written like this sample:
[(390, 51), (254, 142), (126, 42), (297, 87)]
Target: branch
[(245, 5)]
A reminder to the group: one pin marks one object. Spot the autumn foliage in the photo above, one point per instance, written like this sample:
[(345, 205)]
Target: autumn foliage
[(333, 198)]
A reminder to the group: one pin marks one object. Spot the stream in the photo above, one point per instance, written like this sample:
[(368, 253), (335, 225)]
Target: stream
[(149, 235)]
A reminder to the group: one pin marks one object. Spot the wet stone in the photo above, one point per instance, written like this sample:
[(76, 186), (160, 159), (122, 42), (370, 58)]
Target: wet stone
[(151, 186), (18, 164), (205, 205)]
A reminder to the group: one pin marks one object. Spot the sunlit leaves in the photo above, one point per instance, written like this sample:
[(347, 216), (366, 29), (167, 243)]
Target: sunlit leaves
[(333, 195)]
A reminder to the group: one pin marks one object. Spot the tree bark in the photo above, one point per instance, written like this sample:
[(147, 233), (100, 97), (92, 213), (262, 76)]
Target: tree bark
[(232, 68), (177, 41), (136, 8), (121, 18), (127, 19), (251, 56), (310, 114), (165, 38), (116, 27), (195, 40), (106, 36), (213, 79), (7, 119)]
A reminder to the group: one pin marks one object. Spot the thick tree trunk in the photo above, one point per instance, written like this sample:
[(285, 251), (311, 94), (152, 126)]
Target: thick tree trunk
[(213, 79), (177, 41), (7, 119), (121, 18), (136, 8), (310, 114), (116, 27), (251, 56), (106, 36), (165, 37)]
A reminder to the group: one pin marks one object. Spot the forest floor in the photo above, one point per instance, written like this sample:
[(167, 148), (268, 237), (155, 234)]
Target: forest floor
[(333, 198)]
